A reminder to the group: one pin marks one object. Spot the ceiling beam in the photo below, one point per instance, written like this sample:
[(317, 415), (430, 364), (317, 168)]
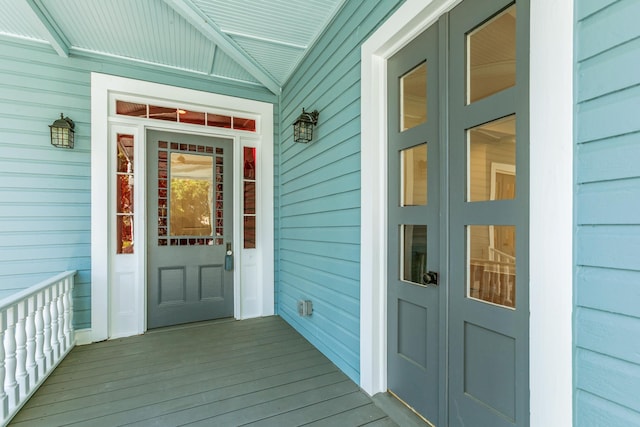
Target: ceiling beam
[(54, 35), (212, 31)]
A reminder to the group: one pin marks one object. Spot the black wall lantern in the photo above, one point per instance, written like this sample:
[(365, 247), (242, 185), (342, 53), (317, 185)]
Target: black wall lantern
[(303, 126), (62, 132)]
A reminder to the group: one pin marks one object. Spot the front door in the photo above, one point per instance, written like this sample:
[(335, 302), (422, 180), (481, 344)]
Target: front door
[(189, 223), (472, 326)]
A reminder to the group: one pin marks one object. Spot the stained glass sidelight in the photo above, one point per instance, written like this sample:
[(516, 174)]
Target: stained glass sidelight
[(249, 186), (124, 194)]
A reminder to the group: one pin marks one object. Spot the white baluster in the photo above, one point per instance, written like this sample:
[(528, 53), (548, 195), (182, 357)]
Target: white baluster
[(46, 318), (32, 368), (62, 342), (53, 308), (68, 303), (10, 384), (21, 350), (39, 324), (4, 401)]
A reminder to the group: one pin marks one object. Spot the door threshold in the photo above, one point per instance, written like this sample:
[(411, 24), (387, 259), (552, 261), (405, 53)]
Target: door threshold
[(398, 410)]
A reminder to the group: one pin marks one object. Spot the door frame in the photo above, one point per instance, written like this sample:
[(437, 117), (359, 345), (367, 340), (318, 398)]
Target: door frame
[(254, 275), (551, 200)]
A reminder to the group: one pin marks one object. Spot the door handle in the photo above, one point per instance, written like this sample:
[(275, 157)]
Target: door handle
[(430, 278)]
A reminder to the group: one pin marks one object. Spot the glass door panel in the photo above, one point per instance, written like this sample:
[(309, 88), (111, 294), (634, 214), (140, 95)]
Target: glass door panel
[(491, 264), (414, 176), (491, 157), (414, 253), (491, 56), (413, 97)]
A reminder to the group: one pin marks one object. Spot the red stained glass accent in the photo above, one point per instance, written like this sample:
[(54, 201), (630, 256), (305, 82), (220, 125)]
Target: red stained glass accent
[(249, 198), (162, 193), (209, 150), (174, 145), (244, 124), (249, 232), (249, 163), (163, 144), (191, 117), (125, 194), (218, 121), (124, 230), (219, 151), (131, 109), (162, 242), (163, 113)]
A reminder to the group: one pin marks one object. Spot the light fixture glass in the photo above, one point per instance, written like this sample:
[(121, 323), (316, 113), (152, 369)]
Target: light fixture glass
[(62, 132), (303, 126)]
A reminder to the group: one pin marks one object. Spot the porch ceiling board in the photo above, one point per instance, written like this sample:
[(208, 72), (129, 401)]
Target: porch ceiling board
[(53, 34), (251, 43)]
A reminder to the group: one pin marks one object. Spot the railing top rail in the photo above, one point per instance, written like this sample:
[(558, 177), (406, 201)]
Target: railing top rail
[(26, 293)]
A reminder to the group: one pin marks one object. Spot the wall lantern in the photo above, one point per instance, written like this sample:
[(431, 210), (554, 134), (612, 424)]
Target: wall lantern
[(303, 126), (62, 132)]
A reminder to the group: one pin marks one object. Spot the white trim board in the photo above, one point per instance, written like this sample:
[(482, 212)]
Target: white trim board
[(257, 299), (551, 200)]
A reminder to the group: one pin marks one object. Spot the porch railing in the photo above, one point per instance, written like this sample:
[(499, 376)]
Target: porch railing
[(36, 333)]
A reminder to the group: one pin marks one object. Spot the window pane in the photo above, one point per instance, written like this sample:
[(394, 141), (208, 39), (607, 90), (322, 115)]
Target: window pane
[(163, 113), (413, 97), (191, 196), (124, 231), (491, 56), (492, 161), (244, 124), (219, 121), (414, 253), (249, 197), (491, 263), (192, 117), (125, 153), (249, 232), (414, 176), (131, 109), (249, 163)]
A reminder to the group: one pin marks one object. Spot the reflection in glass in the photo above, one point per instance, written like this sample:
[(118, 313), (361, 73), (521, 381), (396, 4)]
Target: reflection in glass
[(163, 113), (491, 263), (191, 196), (193, 117), (414, 253), (249, 197), (414, 176), (492, 161), (491, 56), (413, 97)]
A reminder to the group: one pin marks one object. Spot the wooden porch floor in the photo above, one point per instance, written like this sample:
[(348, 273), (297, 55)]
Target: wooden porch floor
[(223, 373)]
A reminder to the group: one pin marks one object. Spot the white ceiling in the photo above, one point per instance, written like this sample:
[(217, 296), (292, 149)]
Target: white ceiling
[(252, 41)]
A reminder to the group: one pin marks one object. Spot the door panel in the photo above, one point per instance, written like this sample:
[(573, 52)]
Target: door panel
[(189, 223), (413, 306), (488, 295)]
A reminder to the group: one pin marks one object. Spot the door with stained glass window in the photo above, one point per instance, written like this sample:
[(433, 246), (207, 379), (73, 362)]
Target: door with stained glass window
[(189, 228)]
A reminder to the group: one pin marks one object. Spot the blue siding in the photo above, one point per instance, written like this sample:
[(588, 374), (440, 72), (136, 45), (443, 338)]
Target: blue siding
[(607, 280), (318, 234), (45, 200)]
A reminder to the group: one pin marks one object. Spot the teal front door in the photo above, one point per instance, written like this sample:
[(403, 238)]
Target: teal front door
[(458, 218)]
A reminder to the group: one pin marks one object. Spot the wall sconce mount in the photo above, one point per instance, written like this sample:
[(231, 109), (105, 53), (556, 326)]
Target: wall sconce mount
[(62, 132), (303, 126)]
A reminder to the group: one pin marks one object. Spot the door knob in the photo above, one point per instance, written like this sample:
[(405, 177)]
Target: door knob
[(430, 278)]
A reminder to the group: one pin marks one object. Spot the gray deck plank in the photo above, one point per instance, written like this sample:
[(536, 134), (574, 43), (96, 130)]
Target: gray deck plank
[(314, 412), (257, 372)]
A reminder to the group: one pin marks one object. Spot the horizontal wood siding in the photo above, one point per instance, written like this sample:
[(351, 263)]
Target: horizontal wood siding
[(45, 200), (318, 237), (607, 282)]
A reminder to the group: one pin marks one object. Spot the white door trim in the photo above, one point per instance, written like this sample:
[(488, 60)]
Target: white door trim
[(257, 298), (551, 199)]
